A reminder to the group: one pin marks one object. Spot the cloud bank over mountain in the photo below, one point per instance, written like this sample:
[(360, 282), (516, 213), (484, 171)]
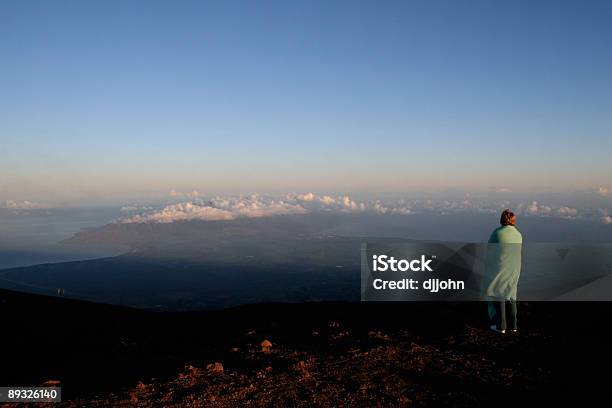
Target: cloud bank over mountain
[(255, 206), (219, 209)]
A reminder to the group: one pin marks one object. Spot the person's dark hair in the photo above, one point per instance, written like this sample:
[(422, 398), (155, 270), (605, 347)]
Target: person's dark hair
[(507, 218)]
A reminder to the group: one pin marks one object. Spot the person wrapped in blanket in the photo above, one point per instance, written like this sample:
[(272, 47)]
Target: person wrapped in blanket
[(502, 272)]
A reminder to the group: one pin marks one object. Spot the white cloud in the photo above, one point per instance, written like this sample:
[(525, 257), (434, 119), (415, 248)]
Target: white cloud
[(316, 202), (307, 197), (567, 212), (382, 209), (24, 205), (533, 208), (605, 217), (327, 200), (349, 205), (536, 208)]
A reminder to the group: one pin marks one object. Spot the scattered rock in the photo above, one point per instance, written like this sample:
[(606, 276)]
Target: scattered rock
[(51, 383), (215, 367), (266, 345), (379, 335), (340, 335), (190, 372)]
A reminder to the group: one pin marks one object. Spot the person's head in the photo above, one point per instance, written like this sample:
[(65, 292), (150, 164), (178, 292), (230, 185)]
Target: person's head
[(507, 218)]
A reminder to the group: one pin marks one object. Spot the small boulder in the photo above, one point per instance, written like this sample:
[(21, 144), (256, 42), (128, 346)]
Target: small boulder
[(266, 345), (215, 367)]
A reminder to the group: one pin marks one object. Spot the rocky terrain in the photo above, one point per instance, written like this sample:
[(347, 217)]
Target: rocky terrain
[(312, 354)]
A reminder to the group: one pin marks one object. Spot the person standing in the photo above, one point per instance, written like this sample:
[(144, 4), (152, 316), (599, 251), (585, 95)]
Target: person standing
[(502, 272)]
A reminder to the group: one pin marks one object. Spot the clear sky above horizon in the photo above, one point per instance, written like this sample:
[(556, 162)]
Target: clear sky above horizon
[(128, 99)]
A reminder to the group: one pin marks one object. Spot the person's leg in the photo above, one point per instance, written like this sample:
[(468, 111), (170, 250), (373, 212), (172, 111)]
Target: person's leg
[(513, 315), (492, 312), (500, 308)]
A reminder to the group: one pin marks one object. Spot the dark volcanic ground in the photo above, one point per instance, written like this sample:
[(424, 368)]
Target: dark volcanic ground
[(322, 354)]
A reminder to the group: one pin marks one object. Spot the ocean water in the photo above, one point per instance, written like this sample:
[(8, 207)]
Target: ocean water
[(35, 237)]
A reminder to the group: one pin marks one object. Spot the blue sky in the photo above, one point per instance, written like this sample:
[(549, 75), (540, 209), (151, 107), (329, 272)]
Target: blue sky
[(132, 99)]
